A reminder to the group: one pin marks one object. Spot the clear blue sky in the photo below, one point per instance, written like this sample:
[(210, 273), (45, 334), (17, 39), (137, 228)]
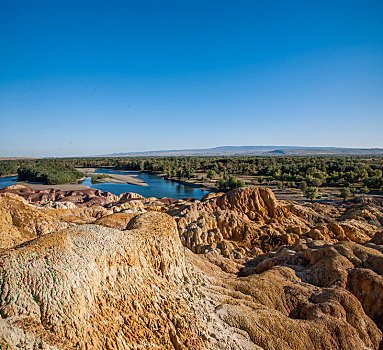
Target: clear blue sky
[(96, 77)]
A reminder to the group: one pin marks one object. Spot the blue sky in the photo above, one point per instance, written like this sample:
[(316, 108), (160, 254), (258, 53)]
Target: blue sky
[(97, 77)]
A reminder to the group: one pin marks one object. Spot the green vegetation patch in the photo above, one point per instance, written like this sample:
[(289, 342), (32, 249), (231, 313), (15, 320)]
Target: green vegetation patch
[(229, 183), (49, 172), (8, 167), (98, 177)]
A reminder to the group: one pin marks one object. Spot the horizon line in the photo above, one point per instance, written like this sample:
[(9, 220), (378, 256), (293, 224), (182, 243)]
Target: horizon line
[(278, 147)]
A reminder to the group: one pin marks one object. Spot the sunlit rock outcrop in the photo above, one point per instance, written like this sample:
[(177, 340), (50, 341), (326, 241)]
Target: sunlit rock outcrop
[(249, 221), (95, 287), (19, 222)]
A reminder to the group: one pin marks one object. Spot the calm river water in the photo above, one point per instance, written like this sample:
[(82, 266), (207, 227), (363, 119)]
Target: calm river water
[(157, 187), (7, 181)]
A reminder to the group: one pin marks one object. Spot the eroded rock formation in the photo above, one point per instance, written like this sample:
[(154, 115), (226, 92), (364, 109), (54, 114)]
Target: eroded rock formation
[(343, 265), (53, 196), (271, 275), (118, 221), (95, 287), (250, 221), (20, 222), (98, 286)]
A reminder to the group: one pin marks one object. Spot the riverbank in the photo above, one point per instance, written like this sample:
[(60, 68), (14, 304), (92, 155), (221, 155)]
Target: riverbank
[(200, 186), (154, 186), (113, 178), (131, 179), (119, 179), (62, 187)]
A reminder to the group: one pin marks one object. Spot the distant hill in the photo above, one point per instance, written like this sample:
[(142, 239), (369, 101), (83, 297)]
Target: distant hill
[(253, 150)]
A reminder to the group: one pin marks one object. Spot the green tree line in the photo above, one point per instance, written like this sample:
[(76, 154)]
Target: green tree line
[(292, 171)]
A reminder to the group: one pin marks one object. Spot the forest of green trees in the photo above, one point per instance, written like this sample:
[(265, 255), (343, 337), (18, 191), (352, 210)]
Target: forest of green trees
[(49, 172), (291, 171), (314, 171), (8, 167)]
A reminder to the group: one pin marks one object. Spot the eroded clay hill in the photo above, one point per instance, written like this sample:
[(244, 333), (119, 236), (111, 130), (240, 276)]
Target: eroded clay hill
[(19, 222), (96, 287), (89, 198), (273, 275), (92, 287), (250, 221), (26, 214)]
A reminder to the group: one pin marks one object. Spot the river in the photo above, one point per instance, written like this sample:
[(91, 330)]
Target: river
[(157, 187)]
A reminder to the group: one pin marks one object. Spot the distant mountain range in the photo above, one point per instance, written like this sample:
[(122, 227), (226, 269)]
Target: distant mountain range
[(253, 150)]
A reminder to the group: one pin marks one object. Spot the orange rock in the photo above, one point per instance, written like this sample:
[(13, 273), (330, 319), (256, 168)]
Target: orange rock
[(118, 221), (20, 222)]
